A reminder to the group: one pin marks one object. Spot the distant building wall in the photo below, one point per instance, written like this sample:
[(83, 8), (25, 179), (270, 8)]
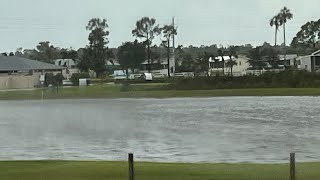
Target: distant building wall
[(71, 71), (305, 63), (239, 69), (16, 82)]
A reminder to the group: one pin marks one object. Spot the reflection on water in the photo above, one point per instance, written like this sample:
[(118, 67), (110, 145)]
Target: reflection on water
[(230, 129)]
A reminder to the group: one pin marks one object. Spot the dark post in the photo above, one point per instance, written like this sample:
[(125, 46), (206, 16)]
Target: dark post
[(168, 53), (292, 166), (131, 167)]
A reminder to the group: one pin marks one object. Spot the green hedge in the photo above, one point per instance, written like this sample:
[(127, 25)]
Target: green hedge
[(55, 80), (76, 76), (284, 79)]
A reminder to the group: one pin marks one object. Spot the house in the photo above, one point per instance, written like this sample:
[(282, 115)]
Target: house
[(239, 68), (158, 67), (70, 67), (112, 66), (22, 73), (287, 61), (311, 62)]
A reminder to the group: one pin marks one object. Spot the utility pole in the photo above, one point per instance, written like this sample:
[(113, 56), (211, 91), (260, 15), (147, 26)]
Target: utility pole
[(173, 50)]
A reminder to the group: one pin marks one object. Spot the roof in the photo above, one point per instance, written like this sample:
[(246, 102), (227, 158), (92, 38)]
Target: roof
[(317, 53), (288, 56), (112, 64), (65, 62), (163, 61), (14, 63), (219, 58)]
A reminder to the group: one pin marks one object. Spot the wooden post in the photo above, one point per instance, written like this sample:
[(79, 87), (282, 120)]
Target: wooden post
[(292, 166), (131, 166)]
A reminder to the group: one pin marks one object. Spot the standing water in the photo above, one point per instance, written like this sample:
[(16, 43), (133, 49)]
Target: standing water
[(228, 129)]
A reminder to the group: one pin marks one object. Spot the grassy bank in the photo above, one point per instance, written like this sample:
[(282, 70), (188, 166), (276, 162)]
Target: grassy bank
[(69, 170), (149, 91)]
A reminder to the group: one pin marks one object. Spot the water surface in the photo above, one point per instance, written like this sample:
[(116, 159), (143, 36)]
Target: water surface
[(224, 129)]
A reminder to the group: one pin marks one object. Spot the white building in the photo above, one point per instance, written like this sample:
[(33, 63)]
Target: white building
[(288, 60), (160, 67), (240, 67), (70, 67), (311, 62)]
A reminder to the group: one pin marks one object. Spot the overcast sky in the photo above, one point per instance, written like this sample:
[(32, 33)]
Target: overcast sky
[(24, 23)]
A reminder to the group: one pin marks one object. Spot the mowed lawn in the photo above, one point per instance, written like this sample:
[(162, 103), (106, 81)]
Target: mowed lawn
[(147, 91), (80, 170)]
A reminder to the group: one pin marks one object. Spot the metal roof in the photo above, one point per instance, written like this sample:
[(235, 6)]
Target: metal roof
[(14, 63), (288, 56), (65, 62), (317, 53), (162, 61), (219, 58)]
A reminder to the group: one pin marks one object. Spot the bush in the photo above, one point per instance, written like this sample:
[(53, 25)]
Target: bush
[(284, 79), (55, 80), (140, 81), (58, 79), (49, 79), (76, 76)]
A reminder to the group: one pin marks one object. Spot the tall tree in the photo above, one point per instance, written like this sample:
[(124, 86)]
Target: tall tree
[(187, 63), (131, 55), (275, 21), (98, 39), (308, 37), (285, 15), (85, 63), (19, 52), (110, 56), (232, 54), (272, 57), (69, 54), (168, 32), (146, 29), (256, 59), (221, 53), (46, 52)]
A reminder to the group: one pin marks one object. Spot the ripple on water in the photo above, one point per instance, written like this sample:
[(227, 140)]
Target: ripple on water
[(226, 129)]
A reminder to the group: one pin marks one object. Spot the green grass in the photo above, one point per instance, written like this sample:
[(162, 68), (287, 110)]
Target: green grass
[(150, 91), (73, 170)]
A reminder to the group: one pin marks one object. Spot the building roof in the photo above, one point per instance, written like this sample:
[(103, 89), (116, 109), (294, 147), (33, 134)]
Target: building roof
[(288, 56), (219, 58), (65, 62), (14, 63), (112, 64), (317, 53), (162, 61)]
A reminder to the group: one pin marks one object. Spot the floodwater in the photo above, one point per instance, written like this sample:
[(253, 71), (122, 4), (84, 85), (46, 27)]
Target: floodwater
[(226, 129)]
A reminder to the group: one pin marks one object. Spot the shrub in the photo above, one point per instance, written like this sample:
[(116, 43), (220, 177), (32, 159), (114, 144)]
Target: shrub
[(58, 79), (76, 76), (284, 79), (49, 79)]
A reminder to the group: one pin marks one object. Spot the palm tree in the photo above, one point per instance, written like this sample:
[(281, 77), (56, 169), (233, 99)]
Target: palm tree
[(231, 62), (275, 21), (221, 54), (285, 15), (146, 29), (168, 31)]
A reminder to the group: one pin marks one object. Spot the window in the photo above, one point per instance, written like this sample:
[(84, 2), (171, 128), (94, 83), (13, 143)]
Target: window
[(317, 60)]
